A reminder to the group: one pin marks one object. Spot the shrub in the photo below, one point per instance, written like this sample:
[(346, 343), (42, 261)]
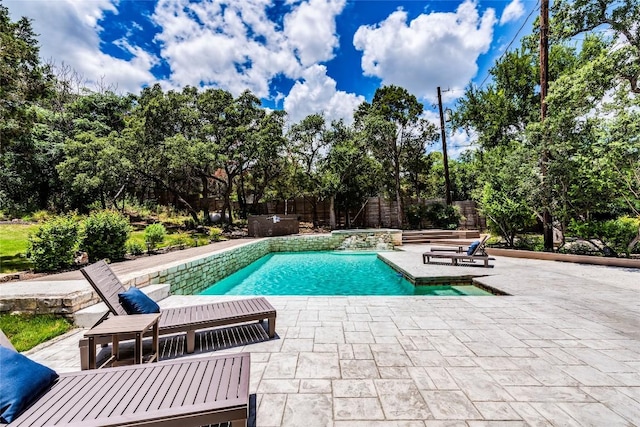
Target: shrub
[(615, 235), (415, 215), (154, 235), (443, 216), (135, 248), (215, 234), (53, 245), (105, 235), (41, 216)]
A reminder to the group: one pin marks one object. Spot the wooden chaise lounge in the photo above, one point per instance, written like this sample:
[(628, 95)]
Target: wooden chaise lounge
[(460, 255), (181, 319), (178, 393)]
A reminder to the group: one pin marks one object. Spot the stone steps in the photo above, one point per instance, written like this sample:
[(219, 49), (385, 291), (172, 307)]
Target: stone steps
[(444, 237)]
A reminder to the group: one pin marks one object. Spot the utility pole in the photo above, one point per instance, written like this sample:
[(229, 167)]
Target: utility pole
[(443, 133), (547, 220)]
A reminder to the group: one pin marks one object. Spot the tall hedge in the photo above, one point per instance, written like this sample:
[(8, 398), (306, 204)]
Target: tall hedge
[(52, 247), (105, 235)]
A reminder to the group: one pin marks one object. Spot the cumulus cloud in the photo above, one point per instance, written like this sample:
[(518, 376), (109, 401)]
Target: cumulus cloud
[(317, 93), (436, 49), (236, 46), (512, 12), (69, 33)]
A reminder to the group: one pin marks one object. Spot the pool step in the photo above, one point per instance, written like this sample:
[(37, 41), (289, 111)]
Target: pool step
[(87, 317)]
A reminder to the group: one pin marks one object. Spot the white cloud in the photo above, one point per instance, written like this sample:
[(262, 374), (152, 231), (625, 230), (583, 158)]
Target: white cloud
[(436, 49), (237, 47), (69, 34), (317, 93), (512, 12)]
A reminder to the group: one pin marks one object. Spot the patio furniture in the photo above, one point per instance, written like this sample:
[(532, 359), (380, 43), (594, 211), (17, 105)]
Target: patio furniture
[(191, 392), (115, 327), (187, 319), (460, 256)]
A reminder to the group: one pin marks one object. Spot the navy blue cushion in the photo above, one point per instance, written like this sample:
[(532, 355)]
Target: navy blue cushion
[(134, 301), (21, 381), (472, 247)]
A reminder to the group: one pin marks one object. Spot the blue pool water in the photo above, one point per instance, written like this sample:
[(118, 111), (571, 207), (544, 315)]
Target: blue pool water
[(325, 273)]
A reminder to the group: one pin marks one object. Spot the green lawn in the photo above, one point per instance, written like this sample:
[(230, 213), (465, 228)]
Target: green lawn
[(27, 331), (13, 247)]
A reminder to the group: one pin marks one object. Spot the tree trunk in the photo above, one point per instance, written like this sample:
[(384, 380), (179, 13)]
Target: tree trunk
[(205, 198), (398, 197), (332, 213)]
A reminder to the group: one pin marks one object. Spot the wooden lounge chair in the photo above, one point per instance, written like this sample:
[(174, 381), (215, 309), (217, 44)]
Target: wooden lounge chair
[(181, 393), (181, 319), (460, 255)]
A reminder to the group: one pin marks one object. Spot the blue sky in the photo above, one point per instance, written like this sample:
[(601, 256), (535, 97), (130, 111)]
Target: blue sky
[(304, 56)]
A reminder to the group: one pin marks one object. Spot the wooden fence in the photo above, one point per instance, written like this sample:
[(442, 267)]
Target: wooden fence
[(375, 213)]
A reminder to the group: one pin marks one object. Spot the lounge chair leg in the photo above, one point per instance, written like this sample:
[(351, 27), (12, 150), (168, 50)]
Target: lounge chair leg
[(191, 341), (272, 327)]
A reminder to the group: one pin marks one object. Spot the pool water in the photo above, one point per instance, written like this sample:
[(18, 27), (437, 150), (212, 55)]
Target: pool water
[(326, 273)]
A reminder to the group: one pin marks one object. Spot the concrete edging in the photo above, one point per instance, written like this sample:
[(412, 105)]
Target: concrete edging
[(551, 256)]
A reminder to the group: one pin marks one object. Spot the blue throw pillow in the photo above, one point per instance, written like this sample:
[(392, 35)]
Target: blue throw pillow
[(21, 381), (134, 301), (472, 247)]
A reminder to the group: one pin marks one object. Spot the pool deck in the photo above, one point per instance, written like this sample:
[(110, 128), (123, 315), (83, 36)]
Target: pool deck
[(563, 349)]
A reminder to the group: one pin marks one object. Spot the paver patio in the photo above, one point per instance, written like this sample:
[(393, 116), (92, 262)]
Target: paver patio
[(562, 349)]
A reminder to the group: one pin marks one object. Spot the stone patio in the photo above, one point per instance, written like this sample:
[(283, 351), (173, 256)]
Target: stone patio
[(563, 349)]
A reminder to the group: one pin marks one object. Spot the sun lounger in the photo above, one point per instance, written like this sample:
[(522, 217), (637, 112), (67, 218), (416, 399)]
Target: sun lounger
[(187, 392), (460, 255), (182, 319)]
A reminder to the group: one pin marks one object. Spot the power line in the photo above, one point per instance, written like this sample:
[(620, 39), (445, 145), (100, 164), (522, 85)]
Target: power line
[(535, 8)]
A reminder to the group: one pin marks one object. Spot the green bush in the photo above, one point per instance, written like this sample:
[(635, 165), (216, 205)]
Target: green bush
[(616, 234), (135, 248), (215, 234), (154, 235), (443, 216), (415, 215), (53, 245), (105, 235)]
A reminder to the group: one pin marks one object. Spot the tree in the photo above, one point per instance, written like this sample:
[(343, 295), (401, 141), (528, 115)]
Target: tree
[(394, 127)]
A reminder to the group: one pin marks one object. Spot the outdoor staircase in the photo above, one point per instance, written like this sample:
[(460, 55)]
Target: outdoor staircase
[(440, 237)]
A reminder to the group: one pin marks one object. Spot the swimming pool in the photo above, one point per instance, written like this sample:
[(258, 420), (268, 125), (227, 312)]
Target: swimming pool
[(326, 273)]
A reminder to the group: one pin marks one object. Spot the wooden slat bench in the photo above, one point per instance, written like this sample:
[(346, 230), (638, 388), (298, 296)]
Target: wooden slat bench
[(179, 393)]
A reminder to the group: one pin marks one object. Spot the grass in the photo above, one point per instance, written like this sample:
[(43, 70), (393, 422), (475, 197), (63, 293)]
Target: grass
[(13, 247), (27, 331)]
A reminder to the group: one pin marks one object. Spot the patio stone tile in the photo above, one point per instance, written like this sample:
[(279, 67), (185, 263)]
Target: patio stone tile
[(279, 386), (393, 372), (600, 360), (553, 412), (627, 379), (495, 363), (325, 348), (449, 423), (359, 337), (309, 410), (529, 415), (421, 343), (427, 358), (329, 335), (354, 388), (564, 357), (359, 369), (315, 386), (497, 411), (441, 378), (386, 340), (513, 377), (497, 424), (402, 400), (384, 358), (548, 394), (615, 398), (318, 365), (430, 322), (357, 408), (359, 317), (296, 345), (518, 352), (478, 384), (421, 379), (281, 365), (345, 351), (450, 405), (485, 349), (461, 361), (450, 346), (589, 376), (362, 351), (593, 414), (270, 410), (622, 355)]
